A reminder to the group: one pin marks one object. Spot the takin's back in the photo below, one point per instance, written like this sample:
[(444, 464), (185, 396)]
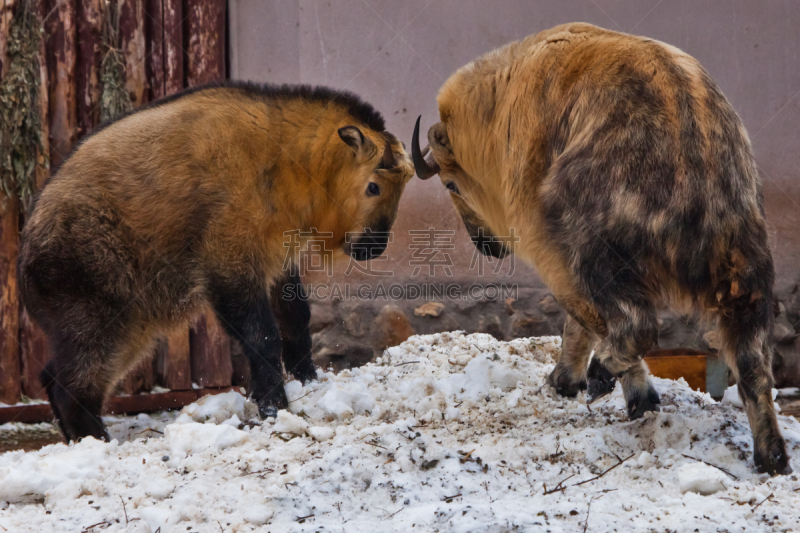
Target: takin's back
[(628, 150)]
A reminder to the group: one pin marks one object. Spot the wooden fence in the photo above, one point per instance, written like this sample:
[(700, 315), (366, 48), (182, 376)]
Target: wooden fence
[(167, 45)]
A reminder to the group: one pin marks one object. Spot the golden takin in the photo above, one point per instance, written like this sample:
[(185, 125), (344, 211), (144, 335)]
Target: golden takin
[(187, 203), (628, 180)]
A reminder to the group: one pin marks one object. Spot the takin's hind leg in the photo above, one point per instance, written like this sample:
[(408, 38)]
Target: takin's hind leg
[(632, 331), (568, 378), (744, 329)]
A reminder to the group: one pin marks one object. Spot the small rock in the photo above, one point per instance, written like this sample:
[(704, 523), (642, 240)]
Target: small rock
[(525, 326), (165, 458), (392, 326), (429, 309), (357, 322), (492, 325), (549, 305), (712, 339), (322, 316), (427, 465)]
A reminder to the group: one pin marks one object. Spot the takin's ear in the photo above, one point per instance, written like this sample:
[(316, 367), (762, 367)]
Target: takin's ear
[(353, 137), (437, 138)]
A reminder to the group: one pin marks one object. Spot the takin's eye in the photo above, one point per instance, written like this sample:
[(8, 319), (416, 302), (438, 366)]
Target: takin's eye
[(373, 189), (451, 186)]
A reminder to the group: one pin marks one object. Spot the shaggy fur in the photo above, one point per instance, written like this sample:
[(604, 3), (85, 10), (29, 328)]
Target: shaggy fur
[(188, 203), (630, 181)]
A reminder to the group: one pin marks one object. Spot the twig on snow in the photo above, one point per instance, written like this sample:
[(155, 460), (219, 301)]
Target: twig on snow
[(560, 487), (124, 509), (303, 396), (104, 522), (299, 518), (407, 363), (448, 499), (394, 513), (709, 464), (150, 429), (604, 472), (466, 456), (265, 471), (589, 508), (762, 501)]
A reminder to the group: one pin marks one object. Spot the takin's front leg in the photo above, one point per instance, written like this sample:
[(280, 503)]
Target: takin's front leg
[(247, 316), (291, 308)]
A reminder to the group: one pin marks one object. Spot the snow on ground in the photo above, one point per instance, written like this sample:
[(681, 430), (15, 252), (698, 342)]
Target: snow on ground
[(446, 432)]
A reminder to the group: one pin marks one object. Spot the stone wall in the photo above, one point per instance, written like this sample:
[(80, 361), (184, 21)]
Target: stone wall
[(349, 334)]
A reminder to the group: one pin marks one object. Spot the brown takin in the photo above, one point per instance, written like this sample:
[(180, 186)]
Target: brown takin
[(628, 180), (188, 203)]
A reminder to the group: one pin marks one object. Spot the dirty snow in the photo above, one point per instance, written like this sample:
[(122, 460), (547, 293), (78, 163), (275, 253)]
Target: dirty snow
[(446, 432)]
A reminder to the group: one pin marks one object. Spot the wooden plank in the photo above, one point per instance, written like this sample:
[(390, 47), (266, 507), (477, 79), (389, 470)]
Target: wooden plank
[(154, 42), (210, 353), (133, 45), (33, 344), (10, 378), (240, 365), (132, 42), (205, 37), (173, 46), (692, 368), (173, 366), (6, 14), (87, 70), (142, 378), (60, 33), (34, 353), (206, 41), (116, 405)]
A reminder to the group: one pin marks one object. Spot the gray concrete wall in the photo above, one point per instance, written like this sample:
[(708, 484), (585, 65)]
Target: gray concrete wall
[(396, 54)]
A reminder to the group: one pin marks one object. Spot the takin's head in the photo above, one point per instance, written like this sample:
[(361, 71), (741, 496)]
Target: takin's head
[(458, 182), (377, 169)]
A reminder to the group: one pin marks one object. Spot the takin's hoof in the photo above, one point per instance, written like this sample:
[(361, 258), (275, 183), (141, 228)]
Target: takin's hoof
[(268, 412), (639, 403), (268, 407), (601, 381), (563, 385), (305, 377), (776, 462)]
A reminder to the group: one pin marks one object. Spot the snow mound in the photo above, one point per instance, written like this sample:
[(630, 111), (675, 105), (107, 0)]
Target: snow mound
[(447, 432)]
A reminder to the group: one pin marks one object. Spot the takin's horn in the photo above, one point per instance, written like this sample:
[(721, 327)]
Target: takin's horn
[(388, 155), (425, 168)]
